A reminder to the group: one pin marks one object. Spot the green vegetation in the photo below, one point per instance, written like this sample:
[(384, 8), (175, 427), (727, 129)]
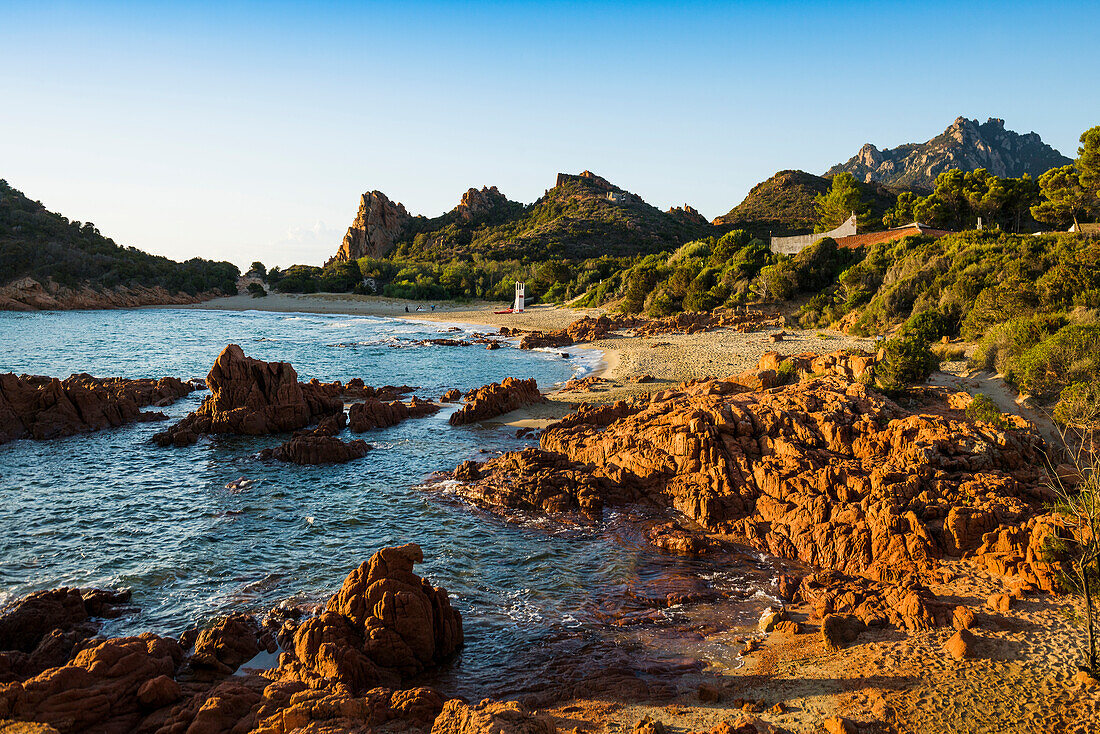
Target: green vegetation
[(838, 203), (960, 199), (982, 408), (1072, 191), (906, 359), (39, 244), (257, 290)]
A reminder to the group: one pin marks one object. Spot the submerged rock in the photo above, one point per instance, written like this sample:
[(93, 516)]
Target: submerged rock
[(372, 414), (314, 448)]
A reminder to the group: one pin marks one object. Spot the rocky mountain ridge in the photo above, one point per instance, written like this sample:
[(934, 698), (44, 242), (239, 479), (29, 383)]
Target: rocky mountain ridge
[(965, 145), (583, 215)]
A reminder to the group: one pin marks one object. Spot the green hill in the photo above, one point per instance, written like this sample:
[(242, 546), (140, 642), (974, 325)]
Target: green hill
[(583, 216), (45, 246)]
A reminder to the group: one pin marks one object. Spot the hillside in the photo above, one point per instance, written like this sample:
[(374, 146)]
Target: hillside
[(47, 261), (964, 145), (784, 204), (582, 216)]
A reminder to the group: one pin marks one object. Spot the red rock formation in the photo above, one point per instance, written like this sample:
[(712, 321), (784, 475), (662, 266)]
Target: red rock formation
[(371, 414), (38, 407), (693, 322), (376, 228), (385, 623), (451, 396), (507, 717), (825, 471), (497, 399), (253, 397), (310, 448)]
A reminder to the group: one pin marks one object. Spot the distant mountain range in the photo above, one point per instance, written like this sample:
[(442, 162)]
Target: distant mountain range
[(964, 145)]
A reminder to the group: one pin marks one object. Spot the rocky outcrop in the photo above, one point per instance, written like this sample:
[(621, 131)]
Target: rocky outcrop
[(964, 145), (496, 399), (371, 414), (825, 471), (694, 322), (28, 294), (386, 624), (509, 717), (311, 448), (37, 407), (377, 226), (585, 329), (480, 202), (249, 396)]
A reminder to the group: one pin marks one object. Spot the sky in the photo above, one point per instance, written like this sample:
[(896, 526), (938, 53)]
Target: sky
[(248, 131)]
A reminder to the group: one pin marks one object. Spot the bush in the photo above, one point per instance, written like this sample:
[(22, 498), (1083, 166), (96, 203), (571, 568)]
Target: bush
[(928, 325), (1068, 356), (256, 290), (1079, 405), (983, 409), (906, 359)]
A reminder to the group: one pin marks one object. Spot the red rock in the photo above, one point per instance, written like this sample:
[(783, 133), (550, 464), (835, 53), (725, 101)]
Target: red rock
[(490, 716), (962, 618), (787, 628), (840, 630), (451, 396), (314, 449), (839, 725), (372, 414), (708, 693), (1000, 603), (100, 685), (648, 725), (158, 692), (384, 624), (45, 407), (497, 399), (252, 397), (961, 645), (228, 643)]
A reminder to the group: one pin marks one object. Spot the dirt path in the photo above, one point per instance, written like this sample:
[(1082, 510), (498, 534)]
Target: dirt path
[(1003, 396)]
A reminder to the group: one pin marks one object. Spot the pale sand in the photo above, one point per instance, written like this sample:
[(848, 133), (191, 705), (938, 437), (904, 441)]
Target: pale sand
[(670, 359)]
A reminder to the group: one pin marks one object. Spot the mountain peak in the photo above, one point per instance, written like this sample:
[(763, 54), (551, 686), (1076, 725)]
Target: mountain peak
[(965, 144)]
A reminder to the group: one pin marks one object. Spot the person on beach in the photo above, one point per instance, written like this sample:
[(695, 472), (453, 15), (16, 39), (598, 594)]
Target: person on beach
[(406, 308)]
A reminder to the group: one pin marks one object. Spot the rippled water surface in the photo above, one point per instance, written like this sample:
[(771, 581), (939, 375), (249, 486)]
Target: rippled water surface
[(111, 509)]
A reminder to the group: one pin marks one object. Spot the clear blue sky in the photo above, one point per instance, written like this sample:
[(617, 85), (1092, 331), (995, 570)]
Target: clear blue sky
[(248, 131)]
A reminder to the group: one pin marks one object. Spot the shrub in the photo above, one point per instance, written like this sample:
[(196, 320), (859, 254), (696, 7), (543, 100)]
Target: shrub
[(982, 408), (929, 325), (1068, 356), (1079, 405), (906, 359), (256, 290)]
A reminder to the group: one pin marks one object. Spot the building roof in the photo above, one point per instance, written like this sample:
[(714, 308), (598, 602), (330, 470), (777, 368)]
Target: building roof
[(867, 239), (1086, 228)]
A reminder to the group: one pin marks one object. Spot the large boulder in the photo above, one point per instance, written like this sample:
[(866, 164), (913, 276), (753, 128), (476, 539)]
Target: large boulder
[(385, 624), (490, 717), (371, 414), (496, 399), (253, 397), (312, 448)]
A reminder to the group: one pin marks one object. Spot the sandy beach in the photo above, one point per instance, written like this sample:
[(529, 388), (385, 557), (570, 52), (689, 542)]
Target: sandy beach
[(668, 359)]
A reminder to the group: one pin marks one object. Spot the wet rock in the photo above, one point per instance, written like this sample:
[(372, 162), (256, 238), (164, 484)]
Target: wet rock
[(840, 630), (508, 717), (252, 397), (451, 396), (497, 399), (310, 449), (372, 414), (42, 408)]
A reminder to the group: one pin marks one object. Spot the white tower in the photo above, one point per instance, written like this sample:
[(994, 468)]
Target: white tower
[(518, 307)]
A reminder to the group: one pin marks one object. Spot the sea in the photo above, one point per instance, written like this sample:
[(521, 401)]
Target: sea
[(111, 509)]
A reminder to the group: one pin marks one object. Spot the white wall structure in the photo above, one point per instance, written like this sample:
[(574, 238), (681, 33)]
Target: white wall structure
[(518, 306), (799, 242)]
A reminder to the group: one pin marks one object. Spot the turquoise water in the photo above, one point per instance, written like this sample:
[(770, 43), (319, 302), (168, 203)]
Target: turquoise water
[(110, 509)]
